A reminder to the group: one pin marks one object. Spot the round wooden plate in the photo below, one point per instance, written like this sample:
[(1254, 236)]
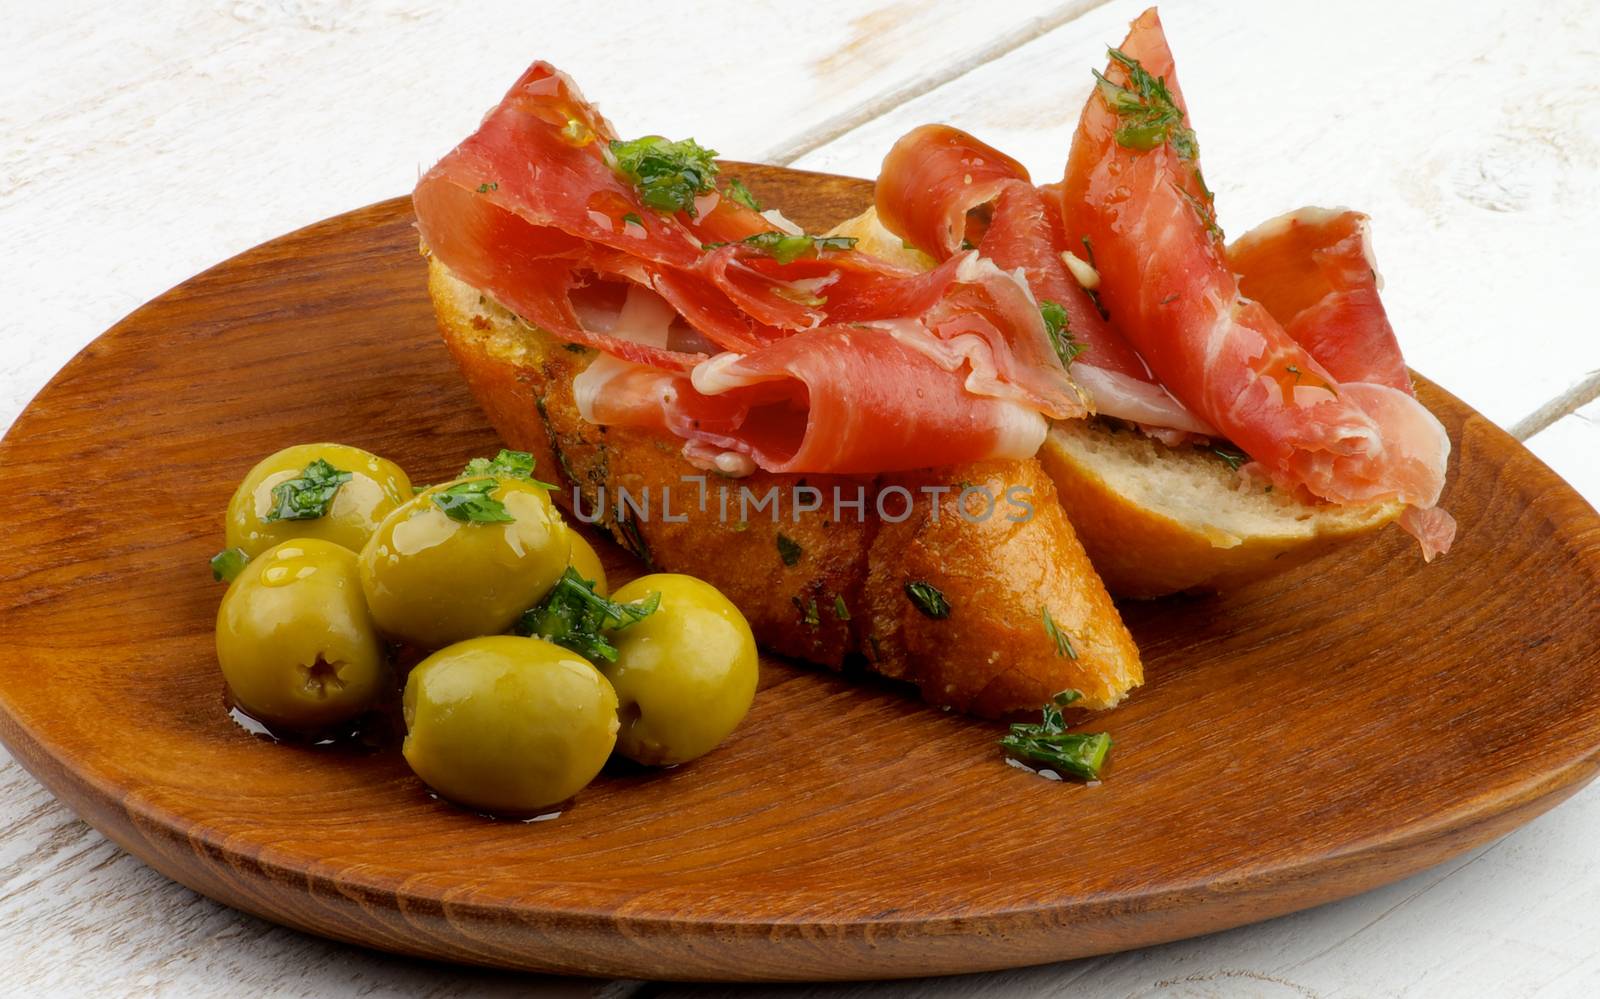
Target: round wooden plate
[(1298, 741)]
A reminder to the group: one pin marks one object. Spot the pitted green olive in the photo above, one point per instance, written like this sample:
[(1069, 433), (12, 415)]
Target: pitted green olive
[(685, 676), (264, 511), (587, 561), (297, 647), (431, 578), (508, 725)]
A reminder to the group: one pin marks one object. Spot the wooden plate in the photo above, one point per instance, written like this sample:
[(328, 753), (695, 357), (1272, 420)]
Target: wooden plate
[(1298, 741)]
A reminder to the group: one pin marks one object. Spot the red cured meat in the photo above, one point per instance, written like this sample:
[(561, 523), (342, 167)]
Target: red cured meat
[(936, 176), (1314, 271), (1146, 210)]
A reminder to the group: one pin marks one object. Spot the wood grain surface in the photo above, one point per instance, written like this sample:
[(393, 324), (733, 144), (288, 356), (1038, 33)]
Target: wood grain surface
[(1298, 741)]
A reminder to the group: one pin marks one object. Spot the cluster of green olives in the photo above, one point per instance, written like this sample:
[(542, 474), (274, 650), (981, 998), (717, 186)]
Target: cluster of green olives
[(537, 672)]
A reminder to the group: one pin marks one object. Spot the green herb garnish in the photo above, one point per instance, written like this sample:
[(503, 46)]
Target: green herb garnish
[(307, 496), (575, 617), (840, 611), (633, 217), (928, 599), (669, 175), (228, 563), (789, 550), (470, 502), (808, 611), (1207, 210), (486, 188), (632, 538), (739, 193), (505, 465), (785, 248), (1060, 330), (1080, 754), (1148, 115), (1063, 643), (1234, 458)]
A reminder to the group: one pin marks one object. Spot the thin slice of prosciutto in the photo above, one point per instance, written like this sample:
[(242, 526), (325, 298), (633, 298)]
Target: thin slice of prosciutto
[(832, 361), (1133, 189), (1314, 271), (941, 189)]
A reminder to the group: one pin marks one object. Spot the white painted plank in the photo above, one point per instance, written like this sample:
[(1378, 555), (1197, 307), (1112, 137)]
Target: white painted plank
[(1470, 133), (144, 142)]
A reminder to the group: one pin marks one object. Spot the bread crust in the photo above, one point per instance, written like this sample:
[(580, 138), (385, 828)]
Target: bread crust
[(844, 598), (1153, 548)]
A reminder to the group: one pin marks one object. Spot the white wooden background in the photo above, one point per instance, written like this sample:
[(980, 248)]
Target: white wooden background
[(140, 143)]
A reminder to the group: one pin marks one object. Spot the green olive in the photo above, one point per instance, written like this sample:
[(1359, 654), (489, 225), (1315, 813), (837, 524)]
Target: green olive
[(685, 675), (432, 580), (297, 647), (375, 488), (587, 561), (508, 725)]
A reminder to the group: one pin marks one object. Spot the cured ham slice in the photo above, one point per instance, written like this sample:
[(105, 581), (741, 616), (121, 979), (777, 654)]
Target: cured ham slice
[(1134, 190), (833, 400), (806, 357), (830, 400), (1314, 270), (937, 178)]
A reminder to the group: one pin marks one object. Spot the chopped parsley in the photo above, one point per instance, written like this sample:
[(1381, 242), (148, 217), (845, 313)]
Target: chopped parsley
[(505, 465), (1147, 113), (575, 617), (470, 502), (1060, 330), (789, 550), (308, 495), (1062, 642), (737, 192), (1235, 459), (808, 611), (486, 188), (1206, 209), (1079, 754), (634, 218), (928, 599), (228, 563), (668, 175), (627, 530), (785, 248), (840, 611)]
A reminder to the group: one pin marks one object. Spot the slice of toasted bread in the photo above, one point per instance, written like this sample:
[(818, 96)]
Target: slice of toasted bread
[(824, 588), (1157, 519)]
